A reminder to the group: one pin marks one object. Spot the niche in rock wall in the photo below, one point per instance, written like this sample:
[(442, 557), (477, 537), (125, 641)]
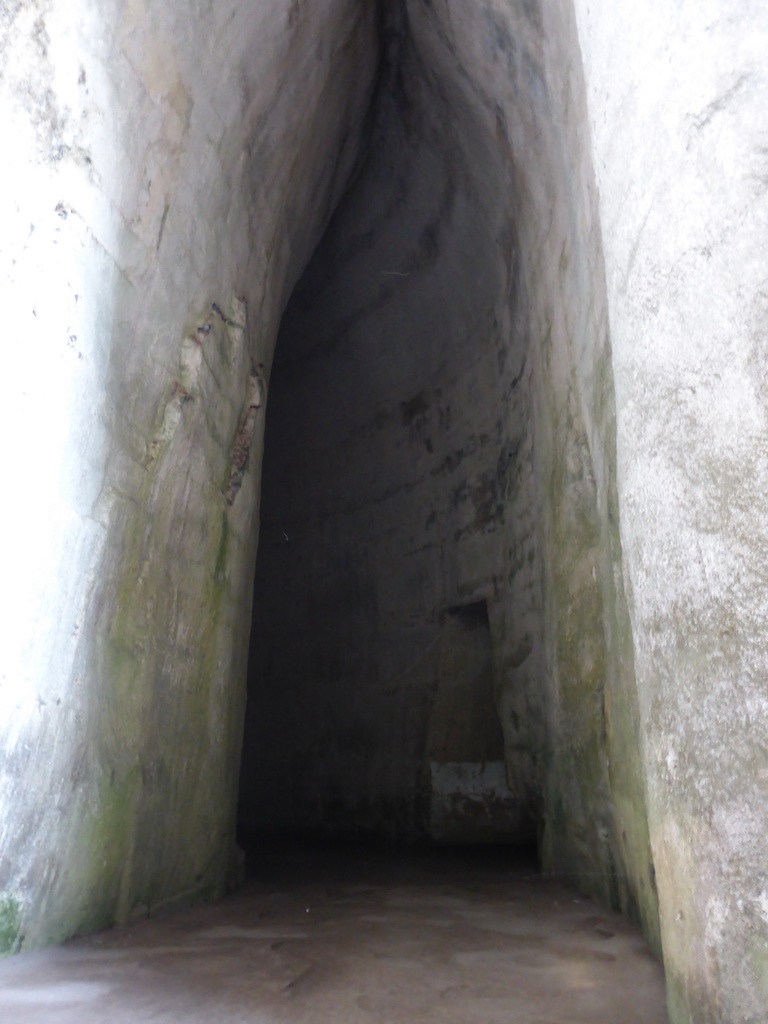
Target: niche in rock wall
[(470, 800)]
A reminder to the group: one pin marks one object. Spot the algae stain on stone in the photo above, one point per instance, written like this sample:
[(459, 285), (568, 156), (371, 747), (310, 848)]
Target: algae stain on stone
[(109, 843), (151, 840), (10, 925), (222, 552), (758, 961)]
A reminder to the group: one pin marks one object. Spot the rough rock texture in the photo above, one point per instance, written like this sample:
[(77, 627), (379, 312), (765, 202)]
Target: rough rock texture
[(685, 221), (172, 166), (515, 468)]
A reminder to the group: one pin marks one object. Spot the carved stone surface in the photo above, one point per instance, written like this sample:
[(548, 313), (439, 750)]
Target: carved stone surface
[(524, 373)]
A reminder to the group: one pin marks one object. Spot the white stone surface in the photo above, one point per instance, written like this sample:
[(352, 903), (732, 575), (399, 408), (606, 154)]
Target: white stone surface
[(160, 158), (678, 97)]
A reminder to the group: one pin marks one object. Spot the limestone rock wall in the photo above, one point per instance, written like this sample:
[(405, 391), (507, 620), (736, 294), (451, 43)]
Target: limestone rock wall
[(677, 101), (512, 566), (169, 168)]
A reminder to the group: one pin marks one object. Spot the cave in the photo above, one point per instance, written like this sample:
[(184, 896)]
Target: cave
[(391, 377)]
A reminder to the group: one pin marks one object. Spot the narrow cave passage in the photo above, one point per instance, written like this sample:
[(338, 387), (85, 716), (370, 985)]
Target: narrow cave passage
[(428, 660), (511, 585), (397, 431), (415, 489)]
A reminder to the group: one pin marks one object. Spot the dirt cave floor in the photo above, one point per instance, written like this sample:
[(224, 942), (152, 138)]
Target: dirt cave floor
[(345, 935)]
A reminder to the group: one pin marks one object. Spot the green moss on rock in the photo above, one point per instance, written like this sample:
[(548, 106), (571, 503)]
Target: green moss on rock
[(10, 925)]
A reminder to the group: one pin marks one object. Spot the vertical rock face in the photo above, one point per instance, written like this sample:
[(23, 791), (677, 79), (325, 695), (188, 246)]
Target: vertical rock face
[(677, 106), (171, 168), (511, 576)]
